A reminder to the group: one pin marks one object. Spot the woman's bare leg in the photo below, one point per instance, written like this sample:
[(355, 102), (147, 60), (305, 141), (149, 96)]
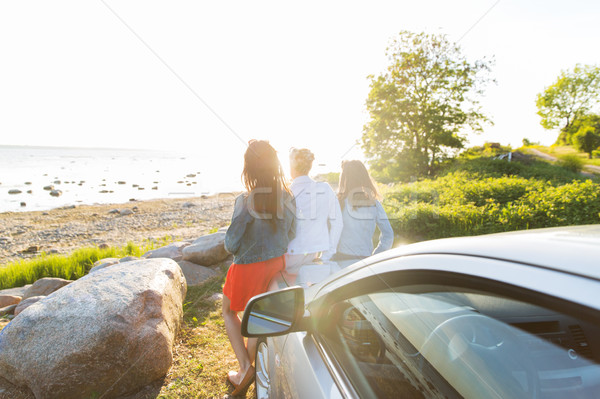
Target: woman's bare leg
[(233, 325), (251, 348)]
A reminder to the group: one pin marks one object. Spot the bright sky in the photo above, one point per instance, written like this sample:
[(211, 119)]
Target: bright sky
[(73, 74)]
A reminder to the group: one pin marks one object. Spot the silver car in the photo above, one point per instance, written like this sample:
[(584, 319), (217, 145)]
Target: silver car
[(514, 315)]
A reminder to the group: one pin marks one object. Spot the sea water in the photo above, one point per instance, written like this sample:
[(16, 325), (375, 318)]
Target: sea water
[(90, 176)]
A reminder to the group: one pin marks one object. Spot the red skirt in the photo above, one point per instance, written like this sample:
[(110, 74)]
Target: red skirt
[(247, 280)]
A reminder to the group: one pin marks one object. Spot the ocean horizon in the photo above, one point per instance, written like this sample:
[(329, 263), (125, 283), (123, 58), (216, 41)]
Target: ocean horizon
[(100, 176)]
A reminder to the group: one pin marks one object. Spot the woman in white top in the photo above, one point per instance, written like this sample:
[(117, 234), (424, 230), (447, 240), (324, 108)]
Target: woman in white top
[(318, 215)]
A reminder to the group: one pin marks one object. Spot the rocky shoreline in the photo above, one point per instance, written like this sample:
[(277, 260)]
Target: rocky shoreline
[(62, 230)]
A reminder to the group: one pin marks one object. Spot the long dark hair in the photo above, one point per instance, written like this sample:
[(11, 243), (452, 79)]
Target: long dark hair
[(264, 180), (356, 185)]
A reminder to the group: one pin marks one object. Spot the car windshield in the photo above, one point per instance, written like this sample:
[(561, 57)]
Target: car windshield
[(463, 344)]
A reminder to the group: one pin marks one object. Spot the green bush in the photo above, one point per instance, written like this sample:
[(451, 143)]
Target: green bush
[(460, 204), (571, 162)]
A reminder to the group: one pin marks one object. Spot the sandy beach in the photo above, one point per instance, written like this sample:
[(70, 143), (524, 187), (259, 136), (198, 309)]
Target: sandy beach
[(26, 234)]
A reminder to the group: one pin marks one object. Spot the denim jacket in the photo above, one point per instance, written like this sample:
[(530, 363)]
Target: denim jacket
[(359, 227), (251, 239)]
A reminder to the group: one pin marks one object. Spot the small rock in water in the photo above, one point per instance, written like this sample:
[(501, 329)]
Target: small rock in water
[(29, 191), (103, 191), (14, 191), (135, 185), (28, 183), (70, 207), (191, 175), (180, 182), (56, 182), (49, 188), (141, 188), (56, 193), (125, 212), (121, 182), (132, 199), (23, 204), (155, 188)]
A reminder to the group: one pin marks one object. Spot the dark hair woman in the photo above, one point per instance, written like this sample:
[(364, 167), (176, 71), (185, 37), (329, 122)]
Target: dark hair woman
[(262, 225), (361, 212)]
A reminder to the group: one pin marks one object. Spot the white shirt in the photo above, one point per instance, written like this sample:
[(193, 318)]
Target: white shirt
[(318, 218)]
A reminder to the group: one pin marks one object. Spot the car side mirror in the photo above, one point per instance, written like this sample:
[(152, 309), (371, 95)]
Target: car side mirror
[(273, 313)]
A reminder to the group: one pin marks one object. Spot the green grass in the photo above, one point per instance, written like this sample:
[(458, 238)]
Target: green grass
[(72, 266), (203, 354), (558, 151)]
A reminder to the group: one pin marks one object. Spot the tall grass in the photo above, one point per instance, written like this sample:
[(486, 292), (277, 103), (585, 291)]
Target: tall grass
[(70, 267)]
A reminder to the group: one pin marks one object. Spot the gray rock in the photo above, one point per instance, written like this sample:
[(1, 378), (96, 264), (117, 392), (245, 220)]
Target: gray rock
[(128, 259), (109, 334), (188, 205), (113, 211), (49, 188), (9, 391), (14, 191), (10, 309), (171, 251), (195, 274), (17, 291), (103, 263), (45, 286), (206, 250), (23, 204), (217, 296), (126, 211), (25, 303), (56, 193)]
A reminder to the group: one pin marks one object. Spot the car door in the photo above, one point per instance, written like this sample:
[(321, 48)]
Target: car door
[(450, 326)]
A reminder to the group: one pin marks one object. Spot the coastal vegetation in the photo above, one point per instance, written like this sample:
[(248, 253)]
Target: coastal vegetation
[(485, 195), (71, 266)]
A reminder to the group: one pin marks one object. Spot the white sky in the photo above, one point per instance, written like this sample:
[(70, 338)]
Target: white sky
[(72, 74)]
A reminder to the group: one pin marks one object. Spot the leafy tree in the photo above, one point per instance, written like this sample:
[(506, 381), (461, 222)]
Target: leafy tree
[(574, 94), (587, 136), (422, 106)]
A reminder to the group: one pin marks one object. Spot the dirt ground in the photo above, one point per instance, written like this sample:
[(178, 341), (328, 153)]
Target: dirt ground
[(62, 230)]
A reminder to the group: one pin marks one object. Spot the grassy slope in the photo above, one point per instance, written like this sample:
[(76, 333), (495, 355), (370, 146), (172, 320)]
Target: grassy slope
[(558, 151)]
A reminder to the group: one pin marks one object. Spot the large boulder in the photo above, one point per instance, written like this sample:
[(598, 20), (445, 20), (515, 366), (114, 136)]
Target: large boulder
[(45, 286), (206, 250), (104, 263), (171, 251), (195, 274), (106, 335)]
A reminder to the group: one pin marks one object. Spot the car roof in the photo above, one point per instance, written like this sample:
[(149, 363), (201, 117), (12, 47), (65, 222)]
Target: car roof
[(574, 249)]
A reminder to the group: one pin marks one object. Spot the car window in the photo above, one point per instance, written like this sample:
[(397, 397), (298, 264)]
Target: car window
[(446, 343)]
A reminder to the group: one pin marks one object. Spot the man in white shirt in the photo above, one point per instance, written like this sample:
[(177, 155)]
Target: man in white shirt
[(319, 217)]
